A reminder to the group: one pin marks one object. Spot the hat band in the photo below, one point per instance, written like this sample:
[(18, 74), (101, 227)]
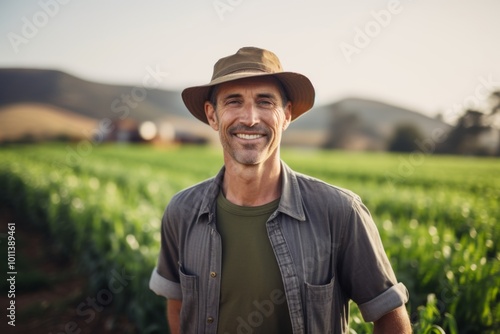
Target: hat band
[(242, 67)]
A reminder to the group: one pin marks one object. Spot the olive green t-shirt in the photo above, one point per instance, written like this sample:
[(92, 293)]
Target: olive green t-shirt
[(252, 295)]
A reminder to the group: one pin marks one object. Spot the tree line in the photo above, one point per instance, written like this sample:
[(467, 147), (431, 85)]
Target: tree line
[(476, 132)]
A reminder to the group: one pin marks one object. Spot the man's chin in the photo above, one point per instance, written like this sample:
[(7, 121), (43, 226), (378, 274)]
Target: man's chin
[(248, 158)]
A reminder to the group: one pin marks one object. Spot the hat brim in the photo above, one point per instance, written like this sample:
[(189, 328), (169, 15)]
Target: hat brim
[(298, 88)]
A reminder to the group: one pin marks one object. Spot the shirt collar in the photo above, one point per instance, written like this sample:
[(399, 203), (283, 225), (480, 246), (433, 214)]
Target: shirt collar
[(291, 197), (211, 193), (290, 202)]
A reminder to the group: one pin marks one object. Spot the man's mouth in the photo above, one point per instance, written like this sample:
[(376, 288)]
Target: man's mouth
[(249, 136)]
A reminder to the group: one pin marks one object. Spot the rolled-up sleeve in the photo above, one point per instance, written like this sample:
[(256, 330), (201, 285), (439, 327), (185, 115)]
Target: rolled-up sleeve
[(163, 287), (366, 273), (164, 279), (389, 300)]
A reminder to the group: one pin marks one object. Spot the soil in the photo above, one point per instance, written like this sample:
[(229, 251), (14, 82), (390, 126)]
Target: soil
[(48, 290)]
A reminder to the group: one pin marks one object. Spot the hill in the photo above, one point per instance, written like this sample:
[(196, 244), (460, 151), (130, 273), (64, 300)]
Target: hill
[(362, 124), (34, 121), (90, 99), (369, 124)]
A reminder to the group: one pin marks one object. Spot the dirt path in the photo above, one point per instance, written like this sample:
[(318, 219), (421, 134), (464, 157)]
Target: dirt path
[(47, 290)]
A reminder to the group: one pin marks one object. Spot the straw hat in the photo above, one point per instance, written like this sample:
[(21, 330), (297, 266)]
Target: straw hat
[(252, 62)]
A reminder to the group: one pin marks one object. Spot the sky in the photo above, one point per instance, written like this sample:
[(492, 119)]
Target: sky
[(429, 56)]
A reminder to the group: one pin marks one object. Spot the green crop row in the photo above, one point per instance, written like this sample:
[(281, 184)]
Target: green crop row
[(437, 217)]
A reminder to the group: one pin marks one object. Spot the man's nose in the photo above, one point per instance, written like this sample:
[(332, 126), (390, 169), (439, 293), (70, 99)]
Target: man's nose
[(250, 115)]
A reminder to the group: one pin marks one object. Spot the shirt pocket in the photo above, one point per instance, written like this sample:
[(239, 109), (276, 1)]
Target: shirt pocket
[(189, 310), (319, 307)]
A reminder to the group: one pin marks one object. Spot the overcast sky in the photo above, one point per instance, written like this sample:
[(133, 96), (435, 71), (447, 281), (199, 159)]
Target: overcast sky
[(430, 56)]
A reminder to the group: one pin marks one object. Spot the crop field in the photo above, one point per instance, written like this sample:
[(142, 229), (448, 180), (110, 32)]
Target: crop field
[(437, 216)]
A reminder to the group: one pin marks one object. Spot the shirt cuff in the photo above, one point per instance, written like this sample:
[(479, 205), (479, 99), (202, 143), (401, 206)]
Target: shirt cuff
[(384, 303), (163, 287)]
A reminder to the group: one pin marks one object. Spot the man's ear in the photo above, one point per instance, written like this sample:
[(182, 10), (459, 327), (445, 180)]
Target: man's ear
[(288, 115), (211, 115)]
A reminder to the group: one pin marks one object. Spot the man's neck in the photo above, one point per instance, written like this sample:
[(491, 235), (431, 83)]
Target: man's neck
[(252, 185)]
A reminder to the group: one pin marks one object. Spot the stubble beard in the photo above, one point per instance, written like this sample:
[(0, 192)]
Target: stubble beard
[(247, 153)]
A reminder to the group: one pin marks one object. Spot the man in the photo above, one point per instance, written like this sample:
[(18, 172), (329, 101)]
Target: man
[(261, 248)]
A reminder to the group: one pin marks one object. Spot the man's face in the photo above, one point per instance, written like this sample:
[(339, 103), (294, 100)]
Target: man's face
[(250, 117)]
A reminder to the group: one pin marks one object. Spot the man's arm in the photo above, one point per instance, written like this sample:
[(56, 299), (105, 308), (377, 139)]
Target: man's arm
[(173, 315), (394, 322)]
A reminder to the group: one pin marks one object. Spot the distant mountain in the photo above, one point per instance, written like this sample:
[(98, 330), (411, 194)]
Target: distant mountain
[(368, 124), (35, 122), (90, 99)]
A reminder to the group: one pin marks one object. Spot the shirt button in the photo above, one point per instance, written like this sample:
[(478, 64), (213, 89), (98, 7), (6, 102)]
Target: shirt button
[(210, 320), (213, 274)]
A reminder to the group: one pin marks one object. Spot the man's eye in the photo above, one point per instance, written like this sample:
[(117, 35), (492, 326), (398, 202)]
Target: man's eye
[(265, 103), (233, 102)]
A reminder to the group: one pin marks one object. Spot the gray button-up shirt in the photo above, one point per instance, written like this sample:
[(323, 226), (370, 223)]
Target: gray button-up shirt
[(326, 245)]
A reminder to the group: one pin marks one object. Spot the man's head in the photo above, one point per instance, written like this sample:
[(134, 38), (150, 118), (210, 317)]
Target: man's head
[(246, 63), (250, 101), (250, 115)]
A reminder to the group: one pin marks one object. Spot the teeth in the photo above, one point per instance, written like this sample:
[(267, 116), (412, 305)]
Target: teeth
[(247, 136)]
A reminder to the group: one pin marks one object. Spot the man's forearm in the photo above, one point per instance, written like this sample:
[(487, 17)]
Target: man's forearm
[(395, 322), (173, 315)]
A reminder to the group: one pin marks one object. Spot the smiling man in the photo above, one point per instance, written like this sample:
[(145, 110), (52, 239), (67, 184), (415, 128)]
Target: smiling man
[(260, 248)]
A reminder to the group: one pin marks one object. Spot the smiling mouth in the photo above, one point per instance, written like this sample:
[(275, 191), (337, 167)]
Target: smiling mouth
[(249, 136)]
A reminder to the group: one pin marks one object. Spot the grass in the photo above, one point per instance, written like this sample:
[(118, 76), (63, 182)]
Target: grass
[(437, 216)]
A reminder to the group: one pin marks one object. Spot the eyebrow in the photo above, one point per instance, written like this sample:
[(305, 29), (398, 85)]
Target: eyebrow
[(267, 96), (260, 95), (231, 96)]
